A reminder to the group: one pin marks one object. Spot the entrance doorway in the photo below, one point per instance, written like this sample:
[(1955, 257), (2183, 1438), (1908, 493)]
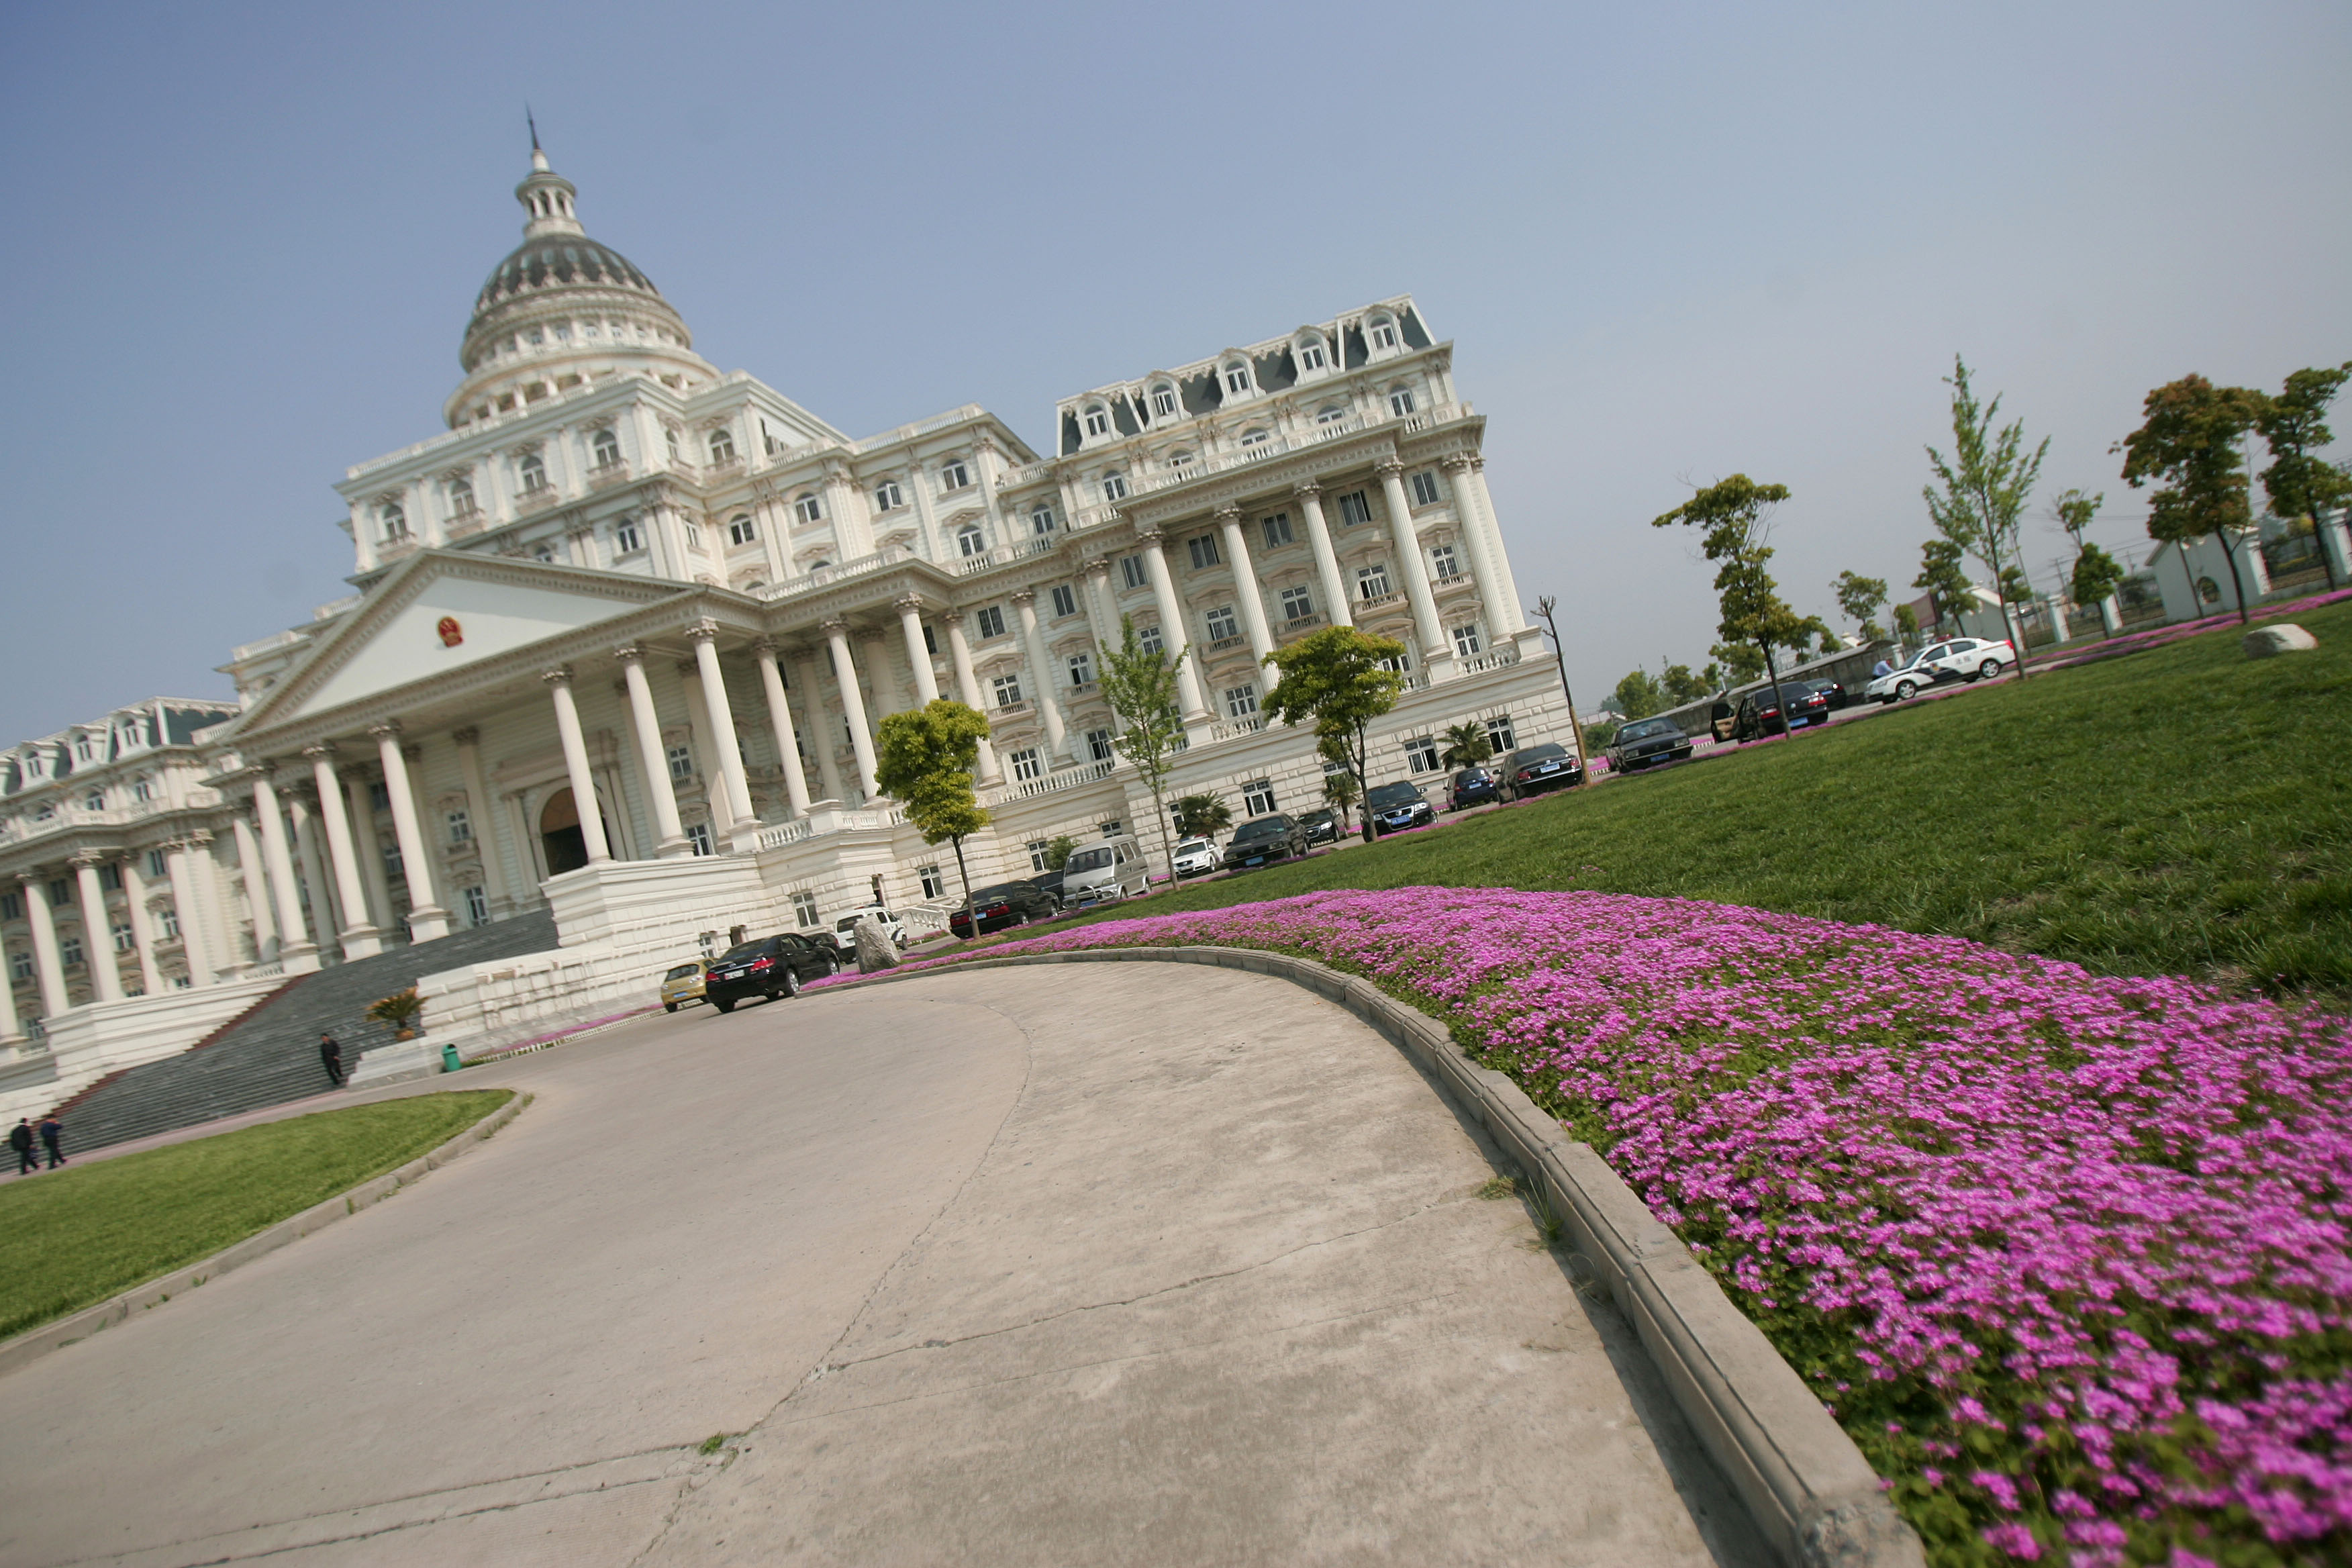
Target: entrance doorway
[(559, 836)]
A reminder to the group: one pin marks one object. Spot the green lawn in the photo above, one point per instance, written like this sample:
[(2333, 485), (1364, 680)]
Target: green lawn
[(72, 1237), (2183, 811)]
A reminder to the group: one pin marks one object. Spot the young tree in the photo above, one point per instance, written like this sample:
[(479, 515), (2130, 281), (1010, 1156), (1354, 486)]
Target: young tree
[(1334, 680), (1681, 686), (1638, 696), (1906, 621), (924, 763), (2294, 426), (1860, 597), (1202, 816), (1466, 745), (1731, 516), (1940, 573), (1985, 486), (2096, 576), (2189, 440), (1058, 853), (1740, 663), (1141, 686), (1340, 790)]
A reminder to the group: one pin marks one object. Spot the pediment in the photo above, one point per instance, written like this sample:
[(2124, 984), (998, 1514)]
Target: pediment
[(440, 612)]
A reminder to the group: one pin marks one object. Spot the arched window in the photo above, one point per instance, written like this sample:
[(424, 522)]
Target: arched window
[(1182, 459), (1331, 416), (1163, 401), (1254, 438), (954, 475), (533, 472), (722, 445), (674, 455), (808, 508), (1238, 377), (887, 497), (742, 530), (970, 540), (461, 496), (1310, 354), (604, 447), (1383, 333), (1040, 520), (1400, 401), (1097, 420), (392, 521)]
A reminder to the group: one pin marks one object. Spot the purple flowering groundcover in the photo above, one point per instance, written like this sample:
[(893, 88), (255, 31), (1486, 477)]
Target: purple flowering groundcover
[(2070, 1257)]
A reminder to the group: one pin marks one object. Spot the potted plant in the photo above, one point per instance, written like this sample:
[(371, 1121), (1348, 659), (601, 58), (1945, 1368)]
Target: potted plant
[(400, 1010)]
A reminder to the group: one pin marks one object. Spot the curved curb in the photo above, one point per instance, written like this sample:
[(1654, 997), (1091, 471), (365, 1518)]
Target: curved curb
[(1811, 1492), (74, 1327)]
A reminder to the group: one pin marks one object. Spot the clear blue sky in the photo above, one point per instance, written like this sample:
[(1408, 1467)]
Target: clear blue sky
[(1672, 242)]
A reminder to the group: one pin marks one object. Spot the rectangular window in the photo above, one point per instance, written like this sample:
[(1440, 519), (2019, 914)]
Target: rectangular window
[(681, 764), (1401, 664), (69, 949), (461, 828), (1421, 755), (935, 884), (1082, 669), (1297, 605), (693, 537), (698, 835), (1133, 573), (20, 966), (1373, 582), (804, 909), (1027, 764), (155, 867), (143, 789), (931, 640), (12, 906), (477, 906), (1355, 508), (1098, 746), (1465, 639), (1277, 529), (122, 939), (887, 497), (954, 476), (1222, 625), (1258, 796), (61, 893), (809, 509), (1008, 691), (626, 540), (182, 981), (1037, 848), (1041, 519), (1114, 486), (1500, 735), (110, 879), (990, 622), (1311, 357), (1204, 551), (1065, 599), (1401, 402), (1241, 702), (1163, 402), (1149, 640), (1443, 564), (379, 796), (393, 864), (1424, 488), (742, 530), (168, 921), (1114, 828)]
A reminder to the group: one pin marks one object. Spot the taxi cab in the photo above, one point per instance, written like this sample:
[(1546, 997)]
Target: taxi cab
[(682, 984)]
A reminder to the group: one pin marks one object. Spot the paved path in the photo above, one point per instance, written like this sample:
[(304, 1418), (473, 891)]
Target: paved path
[(1105, 1265)]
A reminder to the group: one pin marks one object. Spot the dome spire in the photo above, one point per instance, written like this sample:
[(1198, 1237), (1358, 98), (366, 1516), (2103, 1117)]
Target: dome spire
[(545, 195)]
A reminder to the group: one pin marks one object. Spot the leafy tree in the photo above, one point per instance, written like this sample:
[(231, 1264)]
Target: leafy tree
[(1638, 696), (1141, 686), (1202, 816), (1941, 575), (1740, 661), (1598, 734), (1466, 745), (1681, 686), (1731, 516), (2294, 424), (1985, 485), (1340, 790), (2097, 575), (1334, 680), (2189, 441), (1058, 853), (924, 761), (1906, 621), (1860, 597)]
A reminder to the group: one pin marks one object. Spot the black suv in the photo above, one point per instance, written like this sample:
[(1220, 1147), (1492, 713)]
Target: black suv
[(1264, 839), (773, 966), (1531, 770), (1393, 807), (1005, 904)]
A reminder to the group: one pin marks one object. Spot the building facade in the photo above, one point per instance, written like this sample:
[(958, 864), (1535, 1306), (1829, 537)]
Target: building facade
[(622, 634)]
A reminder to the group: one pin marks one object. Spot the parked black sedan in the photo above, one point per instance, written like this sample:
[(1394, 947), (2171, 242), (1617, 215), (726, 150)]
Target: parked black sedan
[(1263, 840), (1763, 712), (1646, 742), (1005, 904), (1531, 770), (1322, 826), (771, 966), (1832, 691), (1472, 786), (1393, 807)]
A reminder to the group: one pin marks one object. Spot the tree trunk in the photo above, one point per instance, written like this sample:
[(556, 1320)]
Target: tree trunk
[(1167, 844), (2237, 583), (2319, 542), (965, 877), (1772, 676), (1360, 760)]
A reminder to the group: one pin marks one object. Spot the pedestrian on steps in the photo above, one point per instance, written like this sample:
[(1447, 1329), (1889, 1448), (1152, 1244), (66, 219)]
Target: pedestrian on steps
[(51, 1131), (331, 1056), (20, 1138)]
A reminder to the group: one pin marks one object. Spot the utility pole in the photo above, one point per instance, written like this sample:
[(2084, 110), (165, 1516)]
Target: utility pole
[(1583, 769)]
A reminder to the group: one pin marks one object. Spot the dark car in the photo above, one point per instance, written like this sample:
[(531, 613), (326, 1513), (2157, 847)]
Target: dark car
[(1832, 691), (1322, 826), (1004, 904), (1762, 712), (1393, 807), (1265, 839), (771, 966), (1050, 884), (1472, 786), (1648, 743), (1531, 770)]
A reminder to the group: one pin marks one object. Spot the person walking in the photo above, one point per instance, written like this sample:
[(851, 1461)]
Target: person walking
[(51, 1131), (331, 1056), (20, 1138)]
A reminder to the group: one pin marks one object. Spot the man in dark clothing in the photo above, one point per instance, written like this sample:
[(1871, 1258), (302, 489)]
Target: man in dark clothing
[(51, 1131), (331, 1056), (20, 1138)]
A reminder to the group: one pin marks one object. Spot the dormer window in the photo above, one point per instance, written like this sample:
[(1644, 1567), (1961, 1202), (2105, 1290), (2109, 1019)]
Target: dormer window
[(533, 472), (85, 749), (954, 475), (1311, 356), (604, 449), (1383, 333), (1237, 378), (1098, 421), (392, 521), (722, 445), (1114, 486), (1163, 401)]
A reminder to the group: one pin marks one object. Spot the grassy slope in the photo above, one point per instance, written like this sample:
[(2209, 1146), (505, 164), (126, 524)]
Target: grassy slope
[(75, 1237), (2181, 811)]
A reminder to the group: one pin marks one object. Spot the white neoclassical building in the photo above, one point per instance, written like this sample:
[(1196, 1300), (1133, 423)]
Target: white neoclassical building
[(622, 634)]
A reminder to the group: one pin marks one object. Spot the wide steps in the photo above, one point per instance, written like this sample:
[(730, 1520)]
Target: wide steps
[(271, 1055)]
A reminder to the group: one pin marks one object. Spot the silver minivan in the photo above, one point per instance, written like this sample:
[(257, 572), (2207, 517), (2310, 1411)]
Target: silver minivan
[(1104, 872)]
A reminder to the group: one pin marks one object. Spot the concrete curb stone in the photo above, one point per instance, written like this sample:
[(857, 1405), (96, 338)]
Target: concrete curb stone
[(1809, 1490), (74, 1327)]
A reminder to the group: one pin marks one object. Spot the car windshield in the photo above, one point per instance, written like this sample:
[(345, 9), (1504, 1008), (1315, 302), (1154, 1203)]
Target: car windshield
[(747, 950), (1542, 753), (1647, 728), (996, 895), (683, 971), (1264, 827), (1389, 795), (1192, 846), (1471, 775), (1087, 860)]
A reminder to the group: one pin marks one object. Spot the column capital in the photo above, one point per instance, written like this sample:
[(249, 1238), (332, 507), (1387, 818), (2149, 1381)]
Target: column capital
[(92, 858), (1230, 515), (1149, 534), (471, 735), (413, 753), (906, 603), (1457, 462), (1389, 468), (196, 840), (834, 627), (1306, 490), (630, 653), (1095, 566), (1478, 463), (387, 730), (323, 752), (559, 677), (703, 630), (1023, 595), (952, 616), (766, 647)]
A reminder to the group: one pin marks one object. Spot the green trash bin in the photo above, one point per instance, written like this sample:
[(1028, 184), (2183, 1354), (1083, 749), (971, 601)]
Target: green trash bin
[(449, 1062)]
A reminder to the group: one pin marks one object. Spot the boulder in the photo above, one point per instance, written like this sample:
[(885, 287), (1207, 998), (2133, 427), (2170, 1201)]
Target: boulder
[(2283, 637), (875, 950)]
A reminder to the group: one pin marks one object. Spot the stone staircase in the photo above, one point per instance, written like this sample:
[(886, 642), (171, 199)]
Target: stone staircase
[(270, 1055)]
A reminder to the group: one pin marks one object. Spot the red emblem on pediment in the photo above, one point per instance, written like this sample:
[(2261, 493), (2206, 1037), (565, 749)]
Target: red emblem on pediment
[(452, 634)]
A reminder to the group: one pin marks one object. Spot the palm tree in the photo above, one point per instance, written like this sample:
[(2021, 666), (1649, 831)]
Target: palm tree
[(1466, 745), (1339, 789), (1201, 816)]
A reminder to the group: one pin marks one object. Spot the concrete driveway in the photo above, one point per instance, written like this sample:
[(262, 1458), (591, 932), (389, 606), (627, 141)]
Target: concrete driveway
[(1122, 1264)]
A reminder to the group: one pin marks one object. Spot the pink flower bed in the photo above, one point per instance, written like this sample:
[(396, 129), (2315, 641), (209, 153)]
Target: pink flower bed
[(2071, 1257)]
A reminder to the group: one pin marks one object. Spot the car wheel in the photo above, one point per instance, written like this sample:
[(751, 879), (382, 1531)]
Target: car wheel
[(792, 983), (724, 1004), (1986, 670), (670, 1007), (1906, 692)]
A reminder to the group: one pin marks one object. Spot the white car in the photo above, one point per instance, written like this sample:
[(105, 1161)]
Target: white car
[(844, 930), (1195, 858), (1956, 658)]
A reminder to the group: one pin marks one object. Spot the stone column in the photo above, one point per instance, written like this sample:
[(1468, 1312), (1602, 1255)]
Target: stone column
[(828, 762), (1496, 552), (96, 932), (889, 696), (12, 1029), (780, 720), (1501, 618), (1173, 635), (575, 764), (968, 691), (427, 918), (653, 761), (220, 932), (1047, 696), (853, 703), (49, 964), (326, 919), (844, 507), (704, 638), (295, 949), (479, 816), (919, 657), (1406, 545), (1237, 555), (1327, 560), (143, 930), (256, 891), (717, 796), (359, 938), (359, 802), (188, 903), (1102, 607)]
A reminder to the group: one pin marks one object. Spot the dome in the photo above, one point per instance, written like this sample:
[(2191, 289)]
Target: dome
[(557, 261)]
